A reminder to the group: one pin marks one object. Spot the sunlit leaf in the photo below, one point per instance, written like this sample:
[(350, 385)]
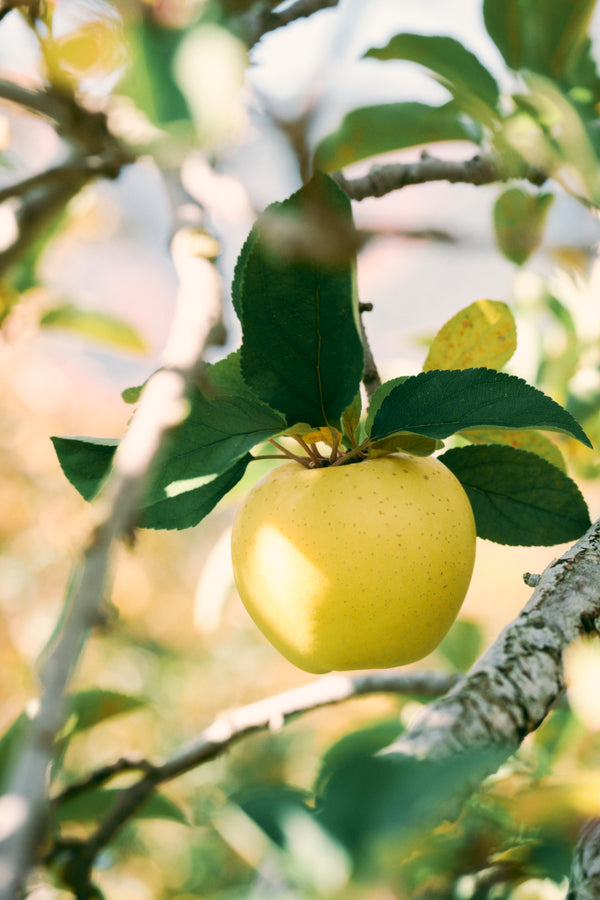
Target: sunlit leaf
[(482, 334), (532, 441), (372, 130), (95, 325), (471, 84)]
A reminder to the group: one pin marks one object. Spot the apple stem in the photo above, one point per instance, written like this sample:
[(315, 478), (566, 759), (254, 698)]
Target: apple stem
[(308, 463), (350, 455), (312, 451)]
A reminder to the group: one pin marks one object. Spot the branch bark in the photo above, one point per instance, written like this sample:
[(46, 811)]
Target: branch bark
[(516, 683), (480, 169), (227, 730), (584, 878)]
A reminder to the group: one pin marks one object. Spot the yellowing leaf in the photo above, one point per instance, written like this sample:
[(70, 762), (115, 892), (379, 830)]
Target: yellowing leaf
[(323, 436), (482, 334), (94, 48), (533, 441), (405, 442), (96, 325)]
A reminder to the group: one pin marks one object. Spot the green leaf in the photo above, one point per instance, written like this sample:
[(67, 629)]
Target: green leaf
[(151, 83), (462, 645), (93, 806), (405, 442), (459, 70), (86, 461), (441, 402), (95, 325), (301, 349), (517, 497), (91, 707), (532, 441), (11, 744), (543, 37), (519, 221), (482, 334), (205, 456), (224, 422), (187, 502), (372, 130), (364, 742), (168, 503)]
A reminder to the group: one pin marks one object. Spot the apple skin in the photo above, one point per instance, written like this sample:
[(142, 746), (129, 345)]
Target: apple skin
[(358, 566)]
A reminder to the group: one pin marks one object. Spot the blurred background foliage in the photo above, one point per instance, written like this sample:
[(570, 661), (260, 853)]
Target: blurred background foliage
[(125, 123)]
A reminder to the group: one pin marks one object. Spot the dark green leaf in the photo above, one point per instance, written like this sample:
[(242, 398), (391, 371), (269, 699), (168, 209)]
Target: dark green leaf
[(472, 86), (95, 325), (169, 502), (441, 402), (224, 422), (364, 742), (93, 806), (85, 461), (371, 130), (548, 38), (187, 503), (398, 795), (205, 456), (519, 220), (517, 497), (269, 806), (301, 349)]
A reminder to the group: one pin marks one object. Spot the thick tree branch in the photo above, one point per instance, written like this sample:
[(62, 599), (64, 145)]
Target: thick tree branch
[(516, 683), (478, 170), (584, 878), (24, 807)]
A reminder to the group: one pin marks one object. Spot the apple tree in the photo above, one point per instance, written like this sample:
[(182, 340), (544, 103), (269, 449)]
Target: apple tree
[(475, 773)]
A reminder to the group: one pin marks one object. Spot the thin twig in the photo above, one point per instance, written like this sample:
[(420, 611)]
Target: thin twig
[(228, 729), (371, 378), (478, 170), (261, 19)]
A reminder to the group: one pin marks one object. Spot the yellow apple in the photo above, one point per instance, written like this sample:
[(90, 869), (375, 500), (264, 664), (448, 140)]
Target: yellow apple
[(363, 565)]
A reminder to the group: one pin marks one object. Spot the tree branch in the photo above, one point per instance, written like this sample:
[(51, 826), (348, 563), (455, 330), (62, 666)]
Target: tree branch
[(24, 807), (371, 378), (261, 19), (516, 683), (227, 730), (584, 878), (478, 170)]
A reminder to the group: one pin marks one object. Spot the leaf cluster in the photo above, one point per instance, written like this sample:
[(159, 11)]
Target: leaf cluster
[(546, 127), (297, 376)]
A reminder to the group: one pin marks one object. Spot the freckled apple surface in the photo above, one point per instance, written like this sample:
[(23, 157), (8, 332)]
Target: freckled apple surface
[(357, 566)]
